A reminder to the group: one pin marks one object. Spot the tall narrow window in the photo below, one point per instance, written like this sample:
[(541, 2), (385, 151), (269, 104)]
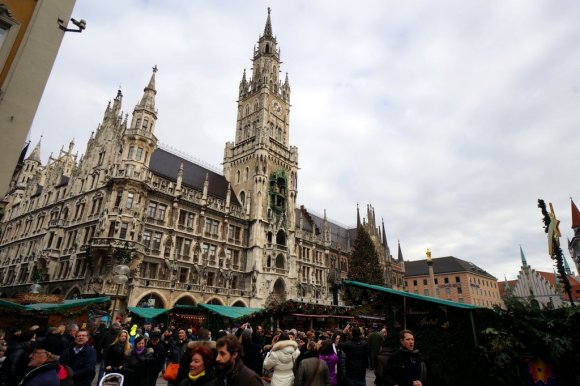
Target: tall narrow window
[(131, 152), (129, 201)]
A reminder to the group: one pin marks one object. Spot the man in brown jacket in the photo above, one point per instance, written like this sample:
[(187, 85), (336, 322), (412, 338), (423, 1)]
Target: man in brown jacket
[(232, 371)]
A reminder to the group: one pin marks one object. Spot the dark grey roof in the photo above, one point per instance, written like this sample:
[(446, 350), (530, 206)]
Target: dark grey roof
[(63, 181), (166, 164), (338, 234), (441, 265)]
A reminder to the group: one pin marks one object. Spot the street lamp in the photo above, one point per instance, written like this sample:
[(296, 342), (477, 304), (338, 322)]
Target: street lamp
[(120, 277)]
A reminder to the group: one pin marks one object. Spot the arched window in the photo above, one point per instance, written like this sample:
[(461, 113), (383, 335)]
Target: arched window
[(280, 262), (238, 176), (281, 238), (243, 198), (269, 237), (246, 173), (267, 48), (138, 123)]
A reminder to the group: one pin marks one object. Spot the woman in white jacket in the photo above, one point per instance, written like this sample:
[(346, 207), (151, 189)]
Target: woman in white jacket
[(281, 360)]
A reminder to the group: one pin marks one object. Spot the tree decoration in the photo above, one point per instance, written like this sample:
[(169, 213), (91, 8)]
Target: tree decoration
[(552, 230)]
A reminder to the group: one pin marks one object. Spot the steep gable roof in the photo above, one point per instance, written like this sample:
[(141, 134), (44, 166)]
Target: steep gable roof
[(166, 164), (441, 265)]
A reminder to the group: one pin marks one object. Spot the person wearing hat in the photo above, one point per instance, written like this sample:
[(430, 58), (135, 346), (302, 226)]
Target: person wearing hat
[(44, 364), (159, 353)]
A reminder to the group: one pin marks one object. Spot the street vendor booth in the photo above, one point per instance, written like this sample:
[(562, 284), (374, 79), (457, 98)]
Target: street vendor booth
[(302, 316), (212, 316), (80, 311)]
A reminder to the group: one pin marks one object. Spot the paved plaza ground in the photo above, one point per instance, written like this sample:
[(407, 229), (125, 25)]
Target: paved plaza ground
[(163, 382)]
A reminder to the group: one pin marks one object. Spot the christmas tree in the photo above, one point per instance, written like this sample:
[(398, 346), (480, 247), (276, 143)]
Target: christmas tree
[(364, 265)]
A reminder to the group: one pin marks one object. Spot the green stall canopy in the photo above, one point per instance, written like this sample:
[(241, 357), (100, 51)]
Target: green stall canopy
[(147, 313), (424, 298), (230, 312)]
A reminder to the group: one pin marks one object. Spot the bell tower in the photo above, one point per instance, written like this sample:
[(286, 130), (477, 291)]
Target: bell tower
[(261, 165)]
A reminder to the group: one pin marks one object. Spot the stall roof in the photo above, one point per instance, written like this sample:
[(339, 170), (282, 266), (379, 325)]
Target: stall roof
[(410, 295), (324, 316), (47, 307), (147, 313), (230, 312), (69, 303), (14, 306)]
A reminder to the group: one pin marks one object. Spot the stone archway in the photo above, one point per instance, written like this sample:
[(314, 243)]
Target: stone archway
[(239, 303), (152, 299), (216, 301), (186, 300), (74, 293)]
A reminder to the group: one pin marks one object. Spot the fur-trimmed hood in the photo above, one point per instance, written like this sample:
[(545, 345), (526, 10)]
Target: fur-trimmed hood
[(285, 343)]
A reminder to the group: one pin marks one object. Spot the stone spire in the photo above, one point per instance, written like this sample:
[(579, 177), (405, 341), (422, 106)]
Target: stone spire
[(358, 223), (385, 234), (149, 92), (523, 257), (35, 155), (268, 27), (399, 252), (575, 215)]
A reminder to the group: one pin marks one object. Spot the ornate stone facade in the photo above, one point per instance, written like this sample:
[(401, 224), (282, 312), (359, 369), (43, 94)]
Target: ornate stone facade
[(193, 235)]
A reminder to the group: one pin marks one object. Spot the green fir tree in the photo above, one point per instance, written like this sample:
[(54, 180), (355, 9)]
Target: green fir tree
[(364, 266)]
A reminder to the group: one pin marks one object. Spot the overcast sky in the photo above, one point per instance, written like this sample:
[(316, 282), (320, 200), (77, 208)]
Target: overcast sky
[(450, 117)]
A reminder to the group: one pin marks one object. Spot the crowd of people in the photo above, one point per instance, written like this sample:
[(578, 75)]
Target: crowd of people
[(186, 356)]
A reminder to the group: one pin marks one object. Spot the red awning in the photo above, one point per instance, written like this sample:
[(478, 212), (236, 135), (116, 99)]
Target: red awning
[(324, 316)]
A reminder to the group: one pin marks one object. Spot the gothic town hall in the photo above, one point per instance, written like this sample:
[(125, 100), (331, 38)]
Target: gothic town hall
[(190, 235)]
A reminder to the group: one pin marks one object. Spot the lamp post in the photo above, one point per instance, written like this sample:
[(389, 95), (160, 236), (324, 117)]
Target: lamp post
[(120, 277)]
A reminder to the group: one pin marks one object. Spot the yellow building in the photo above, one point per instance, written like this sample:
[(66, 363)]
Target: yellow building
[(453, 279)]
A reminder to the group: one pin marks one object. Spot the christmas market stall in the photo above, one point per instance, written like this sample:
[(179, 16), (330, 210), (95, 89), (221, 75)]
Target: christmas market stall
[(302, 316), (31, 309), (212, 316), (148, 315)]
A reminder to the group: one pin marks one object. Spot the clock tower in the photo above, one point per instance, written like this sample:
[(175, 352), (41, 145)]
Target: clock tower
[(262, 169)]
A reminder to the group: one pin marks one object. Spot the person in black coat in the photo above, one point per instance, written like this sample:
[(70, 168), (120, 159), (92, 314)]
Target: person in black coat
[(15, 365), (356, 351), (159, 354), (252, 352), (406, 366), (138, 364), (82, 359), (381, 363)]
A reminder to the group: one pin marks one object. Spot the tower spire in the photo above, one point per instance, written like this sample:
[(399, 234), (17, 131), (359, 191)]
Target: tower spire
[(268, 27), (149, 92), (358, 224), (399, 252), (35, 155), (523, 257), (575, 215)]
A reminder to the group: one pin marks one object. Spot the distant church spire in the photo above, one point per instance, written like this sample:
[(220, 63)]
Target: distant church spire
[(358, 224), (523, 257)]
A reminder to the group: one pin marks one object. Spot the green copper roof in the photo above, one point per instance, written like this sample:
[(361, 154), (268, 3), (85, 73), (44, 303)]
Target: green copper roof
[(410, 295)]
